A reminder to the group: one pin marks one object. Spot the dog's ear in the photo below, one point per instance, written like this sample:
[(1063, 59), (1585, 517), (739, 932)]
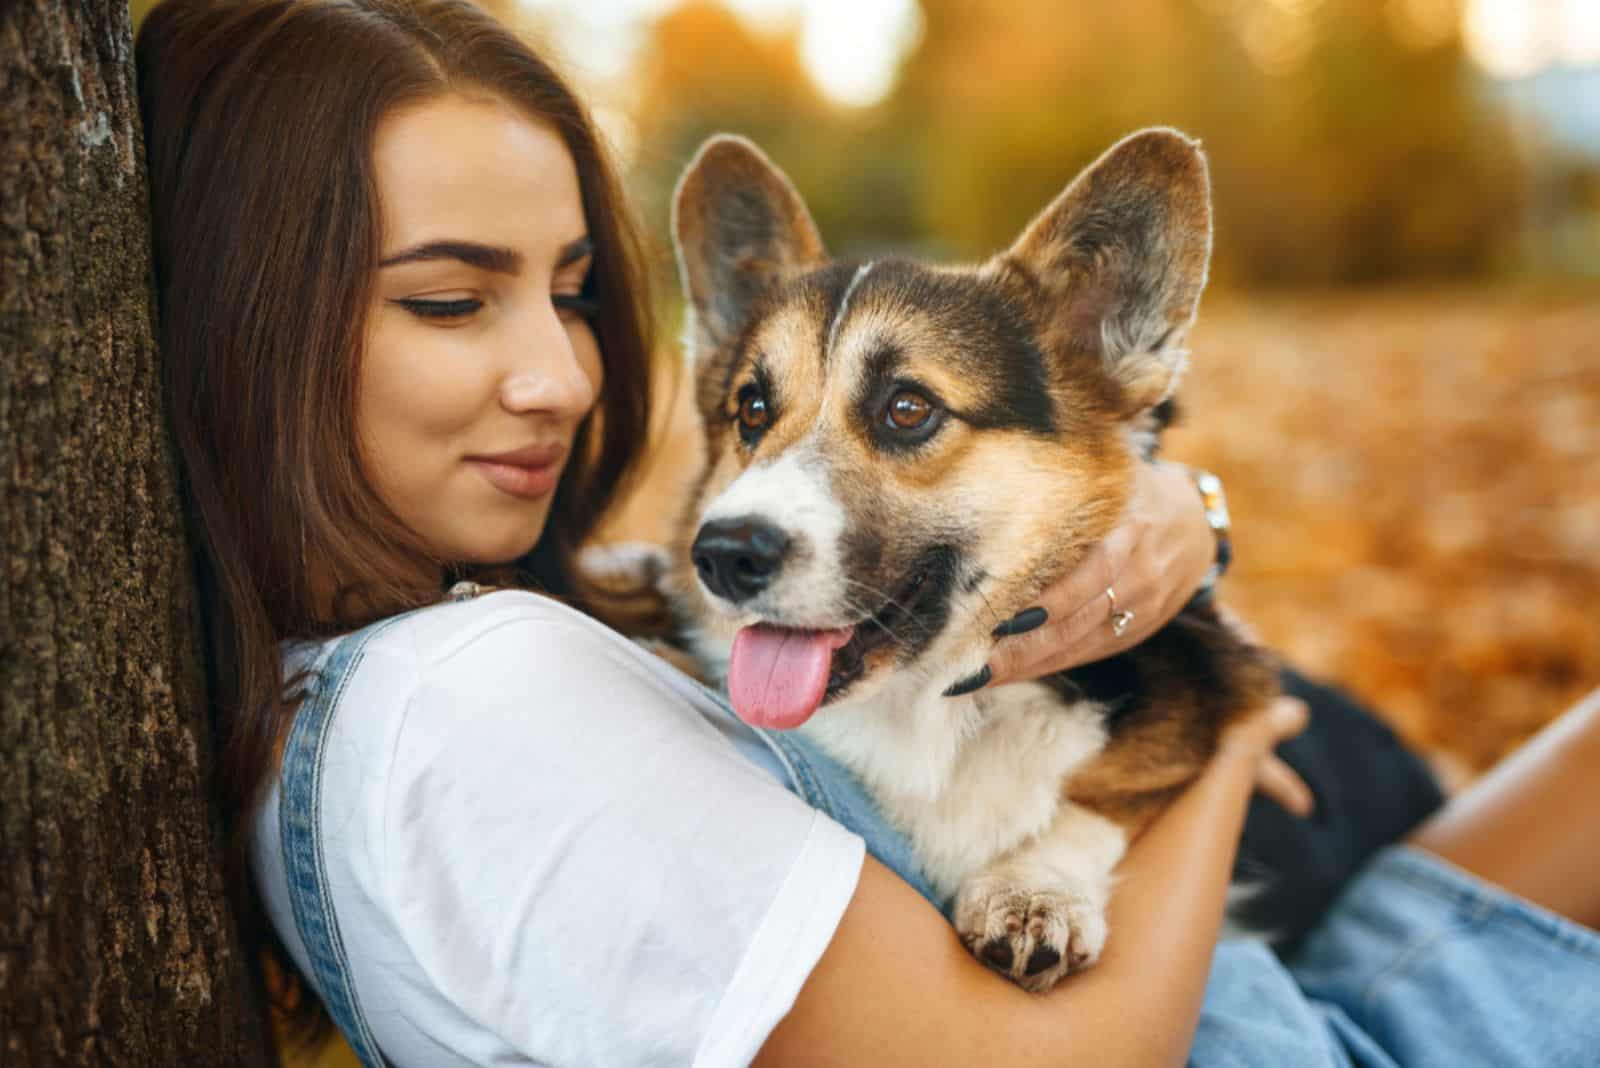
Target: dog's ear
[(738, 225), (1116, 264)]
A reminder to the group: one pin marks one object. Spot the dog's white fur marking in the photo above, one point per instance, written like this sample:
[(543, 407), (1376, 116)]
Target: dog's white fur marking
[(977, 783), (689, 338), (968, 779), (844, 305), (791, 492), (632, 563)]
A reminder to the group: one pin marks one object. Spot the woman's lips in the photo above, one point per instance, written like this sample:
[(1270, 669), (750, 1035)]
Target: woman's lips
[(532, 472)]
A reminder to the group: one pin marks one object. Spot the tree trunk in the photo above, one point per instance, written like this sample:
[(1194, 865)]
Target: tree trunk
[(116, 942)]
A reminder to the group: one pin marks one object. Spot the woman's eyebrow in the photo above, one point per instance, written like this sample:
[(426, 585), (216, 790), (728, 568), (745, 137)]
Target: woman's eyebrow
[(484, 257)]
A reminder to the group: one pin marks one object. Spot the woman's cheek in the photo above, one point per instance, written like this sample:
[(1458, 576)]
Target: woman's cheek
[(416, 398), (444, 383)]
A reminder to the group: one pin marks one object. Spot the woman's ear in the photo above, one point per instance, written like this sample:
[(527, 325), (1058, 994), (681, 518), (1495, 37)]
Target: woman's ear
[(738, 225), (1116, 264)]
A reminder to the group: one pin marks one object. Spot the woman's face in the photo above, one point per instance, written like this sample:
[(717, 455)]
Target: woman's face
[(479, 362)]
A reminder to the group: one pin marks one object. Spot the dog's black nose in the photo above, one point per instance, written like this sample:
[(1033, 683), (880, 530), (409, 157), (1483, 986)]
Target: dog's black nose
[(737, 558)]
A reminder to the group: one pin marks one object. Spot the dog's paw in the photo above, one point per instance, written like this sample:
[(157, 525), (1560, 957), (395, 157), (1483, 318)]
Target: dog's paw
[(1033, 937), (628, 565)]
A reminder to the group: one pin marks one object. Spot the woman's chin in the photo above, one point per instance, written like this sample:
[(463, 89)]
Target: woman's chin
[(490, 551)]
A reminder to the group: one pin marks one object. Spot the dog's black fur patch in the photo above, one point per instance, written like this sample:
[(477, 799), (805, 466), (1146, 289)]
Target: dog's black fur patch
[(907, 626)]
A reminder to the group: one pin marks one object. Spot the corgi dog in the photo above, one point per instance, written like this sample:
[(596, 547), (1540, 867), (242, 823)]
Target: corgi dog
[(900, 457)]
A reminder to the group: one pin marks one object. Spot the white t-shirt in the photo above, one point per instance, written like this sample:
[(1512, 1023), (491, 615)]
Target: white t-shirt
[(546, 846)]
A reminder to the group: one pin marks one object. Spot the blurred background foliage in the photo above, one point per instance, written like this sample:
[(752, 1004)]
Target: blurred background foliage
[(1352, 142)]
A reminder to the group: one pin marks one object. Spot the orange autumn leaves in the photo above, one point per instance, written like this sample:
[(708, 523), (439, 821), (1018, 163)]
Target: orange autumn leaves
[(1415, 486)]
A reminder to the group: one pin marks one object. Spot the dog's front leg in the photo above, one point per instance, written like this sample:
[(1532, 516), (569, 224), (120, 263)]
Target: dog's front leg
[(1039, 912)]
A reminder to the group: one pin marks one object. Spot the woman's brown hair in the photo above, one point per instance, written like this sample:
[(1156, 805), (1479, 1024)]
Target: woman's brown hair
[(259, 121)]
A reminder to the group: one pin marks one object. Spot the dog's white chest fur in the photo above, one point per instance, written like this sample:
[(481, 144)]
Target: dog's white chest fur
[(966, 779), (978, 785)]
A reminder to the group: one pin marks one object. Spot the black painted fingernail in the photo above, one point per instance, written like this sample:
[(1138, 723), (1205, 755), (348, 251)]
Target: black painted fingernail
[(1021, 623), (975, 681)]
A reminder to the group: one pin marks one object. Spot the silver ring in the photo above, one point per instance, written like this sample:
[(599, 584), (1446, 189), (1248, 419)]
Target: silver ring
[(1119, 620)]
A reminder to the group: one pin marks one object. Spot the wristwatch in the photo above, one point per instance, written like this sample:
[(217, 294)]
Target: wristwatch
[(1215, 503)]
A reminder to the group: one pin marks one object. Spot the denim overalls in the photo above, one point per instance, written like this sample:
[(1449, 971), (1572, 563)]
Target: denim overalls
[(1418, 964)]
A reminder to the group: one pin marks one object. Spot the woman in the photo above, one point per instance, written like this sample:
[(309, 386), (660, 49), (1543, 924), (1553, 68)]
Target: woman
[(406, 347)]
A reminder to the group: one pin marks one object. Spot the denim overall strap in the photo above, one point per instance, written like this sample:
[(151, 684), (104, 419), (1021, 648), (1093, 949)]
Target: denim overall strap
[(826, 784), (299, 827)]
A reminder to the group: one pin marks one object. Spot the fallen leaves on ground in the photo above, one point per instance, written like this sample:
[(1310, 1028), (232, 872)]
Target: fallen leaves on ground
[(1416, 496)]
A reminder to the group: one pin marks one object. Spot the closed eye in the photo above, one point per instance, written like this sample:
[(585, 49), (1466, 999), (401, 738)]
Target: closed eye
[(575, 287), (587, 307), (440, 309)]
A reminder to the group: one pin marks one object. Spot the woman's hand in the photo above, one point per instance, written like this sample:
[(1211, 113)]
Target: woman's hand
[(1250, 743), (1154, 561)]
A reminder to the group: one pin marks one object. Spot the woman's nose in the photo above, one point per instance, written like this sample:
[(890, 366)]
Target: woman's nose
[(547, 373)]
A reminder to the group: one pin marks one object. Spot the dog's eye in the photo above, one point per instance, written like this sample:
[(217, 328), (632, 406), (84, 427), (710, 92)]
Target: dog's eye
[(908, 410), (754, 414)]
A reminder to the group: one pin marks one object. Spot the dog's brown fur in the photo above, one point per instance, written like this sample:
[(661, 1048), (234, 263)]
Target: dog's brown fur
[(1191, 678)]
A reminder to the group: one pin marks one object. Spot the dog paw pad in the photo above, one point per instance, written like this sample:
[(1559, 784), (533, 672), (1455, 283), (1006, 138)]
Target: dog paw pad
[(1034, 938)]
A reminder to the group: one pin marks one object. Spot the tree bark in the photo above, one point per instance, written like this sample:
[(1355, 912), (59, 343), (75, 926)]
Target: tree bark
[(116, 942)]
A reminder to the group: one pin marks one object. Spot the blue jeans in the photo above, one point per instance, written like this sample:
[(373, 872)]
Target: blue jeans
[(1417, 964)]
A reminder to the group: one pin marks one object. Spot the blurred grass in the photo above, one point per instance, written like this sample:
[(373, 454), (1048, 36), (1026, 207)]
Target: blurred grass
[(335, 1053)]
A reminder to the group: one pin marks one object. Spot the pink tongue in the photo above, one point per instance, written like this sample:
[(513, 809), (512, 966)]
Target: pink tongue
[(777, 676)]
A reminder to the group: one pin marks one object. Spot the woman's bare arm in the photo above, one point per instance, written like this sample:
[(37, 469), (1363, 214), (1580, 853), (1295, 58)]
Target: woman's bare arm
[(896, 986)]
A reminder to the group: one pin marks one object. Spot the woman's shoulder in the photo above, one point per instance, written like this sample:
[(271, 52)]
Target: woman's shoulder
[(501, 637), (438, 635), (508, 668), (525, 668), (511, 695)]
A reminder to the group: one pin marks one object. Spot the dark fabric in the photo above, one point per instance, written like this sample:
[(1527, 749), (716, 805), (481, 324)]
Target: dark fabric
[(1370, 791)]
